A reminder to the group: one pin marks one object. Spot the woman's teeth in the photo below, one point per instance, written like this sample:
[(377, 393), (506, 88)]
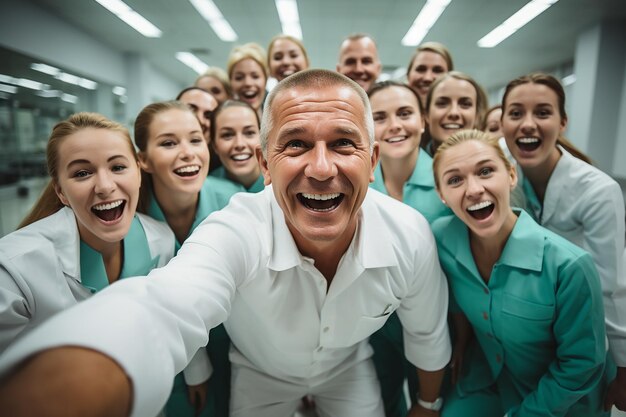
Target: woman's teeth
[(187, 170), (480, 205), (396, 139), (107, 206), (452, 126), (241, 157)]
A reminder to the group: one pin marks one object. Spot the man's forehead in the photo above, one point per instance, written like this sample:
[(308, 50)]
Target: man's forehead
[(326, 98)]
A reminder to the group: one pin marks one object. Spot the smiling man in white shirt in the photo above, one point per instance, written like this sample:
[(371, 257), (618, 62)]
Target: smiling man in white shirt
[(301, 274)]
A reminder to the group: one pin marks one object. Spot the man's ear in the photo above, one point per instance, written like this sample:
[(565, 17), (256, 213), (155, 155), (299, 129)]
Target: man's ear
[(267, 180), (375, 156), (143, 162), (61, 195)]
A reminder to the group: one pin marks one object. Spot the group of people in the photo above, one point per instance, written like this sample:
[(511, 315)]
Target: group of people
[(329, 240)]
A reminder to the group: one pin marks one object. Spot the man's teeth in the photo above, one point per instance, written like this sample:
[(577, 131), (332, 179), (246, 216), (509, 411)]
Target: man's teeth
[(241, 157), (480, 205), (108, 206), (396, 139), (321, 197), (528, 140), (187, 169), (452, 126)]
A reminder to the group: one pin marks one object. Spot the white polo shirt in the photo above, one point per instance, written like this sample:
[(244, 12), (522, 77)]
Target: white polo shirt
[(242, 264)]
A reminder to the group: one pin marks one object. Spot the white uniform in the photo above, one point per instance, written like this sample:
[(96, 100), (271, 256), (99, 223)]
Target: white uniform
[(586, 206), (40, 270), (286, 325)]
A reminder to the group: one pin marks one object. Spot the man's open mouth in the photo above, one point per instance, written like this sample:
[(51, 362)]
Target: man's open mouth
[(321, 202)]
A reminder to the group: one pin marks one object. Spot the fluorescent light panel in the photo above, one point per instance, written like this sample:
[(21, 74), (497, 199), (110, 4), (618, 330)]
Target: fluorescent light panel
[(119, 91), (209, 11), (64, 76), (424, 21), (568, 80), (69, 98), (131, 18), (289, 17), (192, 61), (11, 89), (514, 23)]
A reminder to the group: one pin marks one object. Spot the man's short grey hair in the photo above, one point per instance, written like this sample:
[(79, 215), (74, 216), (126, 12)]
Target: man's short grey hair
[(314, 79)]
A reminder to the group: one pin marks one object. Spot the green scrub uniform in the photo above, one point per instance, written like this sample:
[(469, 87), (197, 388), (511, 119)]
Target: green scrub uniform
[(137, 259), (254, 188), (214, 195), (539, 323), (392, 367)]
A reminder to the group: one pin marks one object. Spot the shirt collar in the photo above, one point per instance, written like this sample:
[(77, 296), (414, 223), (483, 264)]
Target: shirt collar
[(423, 173), (524, 247), (372, 245)]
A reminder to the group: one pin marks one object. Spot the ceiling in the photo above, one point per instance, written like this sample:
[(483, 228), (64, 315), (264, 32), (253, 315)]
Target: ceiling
[(545, 43)]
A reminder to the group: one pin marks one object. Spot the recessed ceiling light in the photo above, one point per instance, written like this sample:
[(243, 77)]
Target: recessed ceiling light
[(424, 21), (289, 17), (209, 11), (192, 61), (131, 18), (514, 23)]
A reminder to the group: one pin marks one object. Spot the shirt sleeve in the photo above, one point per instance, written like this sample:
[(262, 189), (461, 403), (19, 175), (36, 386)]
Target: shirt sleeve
[(151, 327), (199, 369), (603, 234), (424, 311), (14, 313), (580, 344)]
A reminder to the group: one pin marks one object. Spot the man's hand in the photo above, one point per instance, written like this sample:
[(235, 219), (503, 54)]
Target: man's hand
[(197, 396), (419, 411), (616, 394), (66, 382)]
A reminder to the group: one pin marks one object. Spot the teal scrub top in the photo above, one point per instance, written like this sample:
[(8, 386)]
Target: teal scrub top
[(214, 195), (539, 320), (254, 188), (419, 191), (137, 259)]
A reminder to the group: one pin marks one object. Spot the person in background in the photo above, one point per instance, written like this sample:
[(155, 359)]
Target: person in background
[(303, 272), (492, 123), (570, 197), (455, 102), (235, 129), (430, 60), (358, 60), (405, 174), (215, 81), (202, 104), (248, 74), (533, 299), (83, 233), (285, 56), (174, 157)]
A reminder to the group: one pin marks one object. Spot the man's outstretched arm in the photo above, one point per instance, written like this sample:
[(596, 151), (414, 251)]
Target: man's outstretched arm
[(42, 386)]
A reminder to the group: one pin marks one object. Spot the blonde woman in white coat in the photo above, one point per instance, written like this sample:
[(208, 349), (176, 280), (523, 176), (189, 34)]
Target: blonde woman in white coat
[(569, 196), (83, 234)]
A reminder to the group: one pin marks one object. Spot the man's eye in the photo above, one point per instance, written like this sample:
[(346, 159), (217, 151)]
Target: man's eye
[(295, 144), (342, 143)]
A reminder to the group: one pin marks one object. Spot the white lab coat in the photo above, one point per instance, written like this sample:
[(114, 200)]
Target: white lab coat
[(40, 270), (586, 206)]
